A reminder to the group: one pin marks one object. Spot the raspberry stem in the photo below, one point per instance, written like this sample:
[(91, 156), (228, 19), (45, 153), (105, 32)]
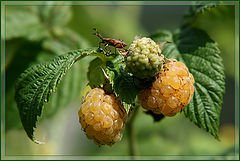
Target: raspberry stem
[(131, 132)]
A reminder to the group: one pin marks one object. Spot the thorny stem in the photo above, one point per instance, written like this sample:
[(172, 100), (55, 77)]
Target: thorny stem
[(132, 139)]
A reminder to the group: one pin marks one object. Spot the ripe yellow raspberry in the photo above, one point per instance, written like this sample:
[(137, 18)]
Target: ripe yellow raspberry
[(102, 117), (171, 91)]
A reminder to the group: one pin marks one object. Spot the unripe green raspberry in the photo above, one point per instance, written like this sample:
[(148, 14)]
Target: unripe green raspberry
[(171, 91), (144, 58), (102, 117)]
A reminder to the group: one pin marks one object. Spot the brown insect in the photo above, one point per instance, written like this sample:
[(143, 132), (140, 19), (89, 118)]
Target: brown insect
[(110, 42)]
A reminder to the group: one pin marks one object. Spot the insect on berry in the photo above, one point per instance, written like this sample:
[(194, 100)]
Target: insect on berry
[(110, 42)]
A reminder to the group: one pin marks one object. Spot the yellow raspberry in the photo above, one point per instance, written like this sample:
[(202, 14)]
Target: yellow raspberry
[(171, 91), (102, 117)]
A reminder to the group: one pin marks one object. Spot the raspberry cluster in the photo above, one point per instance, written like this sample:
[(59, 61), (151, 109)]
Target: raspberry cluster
[(102, 117), (144, 58), (171, 91)]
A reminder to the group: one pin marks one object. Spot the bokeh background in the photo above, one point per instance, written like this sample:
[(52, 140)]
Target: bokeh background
[(35, 33)]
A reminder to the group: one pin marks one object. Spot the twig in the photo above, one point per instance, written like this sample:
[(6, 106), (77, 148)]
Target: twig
[(132, 139)]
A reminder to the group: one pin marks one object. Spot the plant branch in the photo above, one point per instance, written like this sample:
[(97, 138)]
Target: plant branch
[(132, 139)]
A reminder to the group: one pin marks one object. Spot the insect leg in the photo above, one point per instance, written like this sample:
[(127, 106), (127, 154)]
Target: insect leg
[(97, 33), (105, 48), (109, 50), (125, 49)]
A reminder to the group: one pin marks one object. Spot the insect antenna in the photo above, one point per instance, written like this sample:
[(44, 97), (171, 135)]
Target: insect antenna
[(97, 33)]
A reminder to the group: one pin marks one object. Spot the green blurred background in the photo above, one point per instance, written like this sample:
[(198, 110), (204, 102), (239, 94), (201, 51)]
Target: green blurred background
[(37, 33)]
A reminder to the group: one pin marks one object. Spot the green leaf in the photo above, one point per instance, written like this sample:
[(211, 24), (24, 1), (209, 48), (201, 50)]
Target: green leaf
[(162, 36), (124, 87), (197, 10), (22, 22), (64, 41), (95, 74), (18, 58), (37, 83), (122, 82), (72, 85), (223, 33), (54, 13), (36, 22), (69, 91), (112, 69), (98, 66), (201, 55)]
